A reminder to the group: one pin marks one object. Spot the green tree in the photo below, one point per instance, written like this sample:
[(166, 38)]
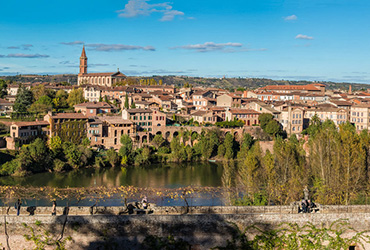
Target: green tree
[(77, 156), (133, 106), (143, 156), (45, 100), (353, 160), (126, 149), (158, 141), (126, 102), (269, 174), (264, 119), (76, 96), (40, 108), (113, 157), (246, 144), (55, 145), (178, 153), (3, 88), (86, 142), (251, 171), (42, 105), (38, 91), (60, 100), (24, 99), (273, 128), (229, 144), (221, 151)]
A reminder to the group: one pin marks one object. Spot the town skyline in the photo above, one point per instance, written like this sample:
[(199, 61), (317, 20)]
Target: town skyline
[(310, 40)]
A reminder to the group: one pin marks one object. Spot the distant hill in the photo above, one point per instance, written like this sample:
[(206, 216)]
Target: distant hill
[(179, 81), (246, 83), (70, 78)]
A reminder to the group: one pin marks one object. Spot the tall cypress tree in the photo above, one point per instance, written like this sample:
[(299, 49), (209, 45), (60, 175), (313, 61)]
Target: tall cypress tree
[(126, 102)]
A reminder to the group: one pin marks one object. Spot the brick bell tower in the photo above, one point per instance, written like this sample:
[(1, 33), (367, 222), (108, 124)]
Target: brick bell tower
[(83, 62)]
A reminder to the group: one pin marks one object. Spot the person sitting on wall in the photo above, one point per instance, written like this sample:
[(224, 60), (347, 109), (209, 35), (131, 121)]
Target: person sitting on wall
[(304, 206), (130, 208), (31, 210), (311, 206), (144, 202)]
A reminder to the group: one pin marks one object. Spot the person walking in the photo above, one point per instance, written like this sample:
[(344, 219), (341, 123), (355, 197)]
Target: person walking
[(54, 209), (18, 205)]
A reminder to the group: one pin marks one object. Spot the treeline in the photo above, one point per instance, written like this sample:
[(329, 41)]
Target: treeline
[(39, 99), (333, 164), (58, 156)]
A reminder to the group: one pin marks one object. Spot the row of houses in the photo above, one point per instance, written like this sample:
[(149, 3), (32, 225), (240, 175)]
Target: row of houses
[(104, 123)]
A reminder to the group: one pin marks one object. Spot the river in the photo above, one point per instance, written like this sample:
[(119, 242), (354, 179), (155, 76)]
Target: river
[(153, 176)]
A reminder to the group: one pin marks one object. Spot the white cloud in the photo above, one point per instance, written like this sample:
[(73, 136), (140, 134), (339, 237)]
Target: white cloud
[(304, 37), (136, 8), (118, 47), (23, 46), (291, 18), (209, 46), (223, 47), (73, 43), (26, 56)]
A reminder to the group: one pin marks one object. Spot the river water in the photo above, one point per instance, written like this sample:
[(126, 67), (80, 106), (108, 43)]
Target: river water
[(153, 176)]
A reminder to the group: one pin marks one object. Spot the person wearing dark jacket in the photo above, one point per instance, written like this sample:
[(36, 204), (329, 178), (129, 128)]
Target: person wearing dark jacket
[(18, 205)]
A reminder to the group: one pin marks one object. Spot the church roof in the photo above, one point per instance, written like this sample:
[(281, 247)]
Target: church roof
[(106, 74), (83, 54)]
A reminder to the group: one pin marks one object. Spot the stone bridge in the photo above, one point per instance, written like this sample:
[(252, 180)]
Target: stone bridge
[(168, 132)]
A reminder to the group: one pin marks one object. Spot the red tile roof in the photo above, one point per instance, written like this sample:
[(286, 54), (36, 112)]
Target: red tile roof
[(35, 123), (243, 111), (69, 116), (94, 105), (291, 87), (105, 74)]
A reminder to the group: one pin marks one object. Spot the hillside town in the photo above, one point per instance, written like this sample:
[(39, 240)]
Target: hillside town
[(142, 111)]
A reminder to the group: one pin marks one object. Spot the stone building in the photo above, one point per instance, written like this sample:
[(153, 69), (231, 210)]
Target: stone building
[(68, 126), (249, 116), (292, 119), (203, 117), (100, 79), (360, 116), (106, 131), (229, 100), (6, 106), (25, 132), (145, 119), (94, 108)]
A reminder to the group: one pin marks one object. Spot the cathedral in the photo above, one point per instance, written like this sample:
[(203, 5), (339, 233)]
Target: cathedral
[(100, 79)]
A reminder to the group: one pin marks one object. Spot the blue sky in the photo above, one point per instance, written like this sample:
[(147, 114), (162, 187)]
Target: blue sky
[(297, 40)]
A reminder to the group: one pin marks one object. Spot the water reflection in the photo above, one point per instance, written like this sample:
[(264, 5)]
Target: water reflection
[(155, 176)]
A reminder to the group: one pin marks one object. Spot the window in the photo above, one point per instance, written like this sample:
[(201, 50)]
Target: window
[(91, 111)]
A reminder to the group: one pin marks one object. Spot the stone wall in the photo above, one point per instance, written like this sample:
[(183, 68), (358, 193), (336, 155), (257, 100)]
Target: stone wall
[(204, 228), (176, 210), (203, 231)]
